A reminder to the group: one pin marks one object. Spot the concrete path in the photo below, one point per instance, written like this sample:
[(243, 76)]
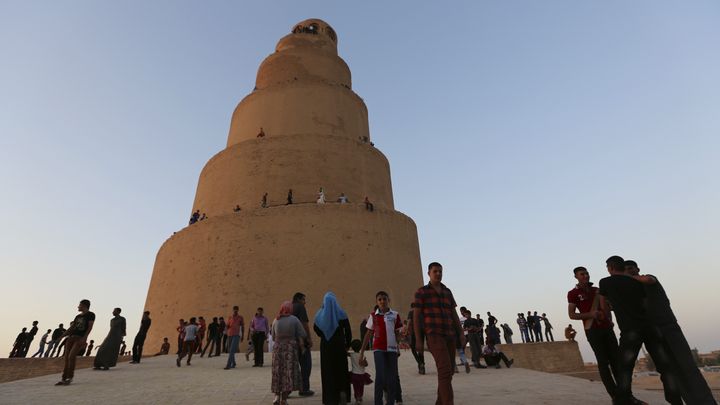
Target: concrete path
[(158, 381)]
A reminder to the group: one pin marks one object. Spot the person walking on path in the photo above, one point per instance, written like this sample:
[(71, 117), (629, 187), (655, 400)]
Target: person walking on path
[(43, 342), (55, 340), (419, 357), (76, 338), (107, 354), (437, 322), (288, 334), (235, 331), (694, 388), (139, 341), (384, 324), (474, 337), (188, 347), (259, 328), (300, 312), (333, 328)]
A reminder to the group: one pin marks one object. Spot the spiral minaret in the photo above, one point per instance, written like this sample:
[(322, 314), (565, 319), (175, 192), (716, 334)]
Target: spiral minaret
[(315, 135)]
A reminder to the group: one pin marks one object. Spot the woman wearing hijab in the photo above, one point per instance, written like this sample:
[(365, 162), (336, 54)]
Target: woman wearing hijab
[(289, 335), (109, 350), (333, 328)]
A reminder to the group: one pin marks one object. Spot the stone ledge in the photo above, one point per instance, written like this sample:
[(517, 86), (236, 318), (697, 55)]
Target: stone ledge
[(19, 369)]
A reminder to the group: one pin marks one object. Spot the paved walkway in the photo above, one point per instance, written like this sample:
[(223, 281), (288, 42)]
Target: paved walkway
[(158, 381)]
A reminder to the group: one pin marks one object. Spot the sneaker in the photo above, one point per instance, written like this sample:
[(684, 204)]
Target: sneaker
[(188, 363), (467, 368), (307, 393), (421, 368), (510, 362), (498, 366), (177, 361), (63, 382)]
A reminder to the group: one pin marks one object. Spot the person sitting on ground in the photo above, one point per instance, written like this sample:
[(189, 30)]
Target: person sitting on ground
[(236, 209), (368, 205), (203, 217), (570, 333), (342, 199), (261, 134), (493, 356), (164, 348)]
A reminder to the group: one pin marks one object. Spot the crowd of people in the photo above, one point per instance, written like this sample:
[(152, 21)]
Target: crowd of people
[(639, 302), (196, 217)]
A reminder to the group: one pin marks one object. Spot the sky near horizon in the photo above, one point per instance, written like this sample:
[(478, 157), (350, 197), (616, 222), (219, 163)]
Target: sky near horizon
[(524, 138)]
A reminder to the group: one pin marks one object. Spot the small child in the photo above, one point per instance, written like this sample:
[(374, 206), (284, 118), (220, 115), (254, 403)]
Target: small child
[(358, 377), (250, 349)]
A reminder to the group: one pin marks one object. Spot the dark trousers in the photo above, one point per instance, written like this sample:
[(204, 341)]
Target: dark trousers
[(538, 333), (630, 343), (694, 388), (419, 357), (72, 348), (180, 344), (494, 359), (605, 346), (524, 335), (51, 348), (213, 344), (475, 347), (442, 349), (305, 369), (530, 335), (548, 335), (224, 343), (188, 348), (258, 339), (386, 368), (138, 347)]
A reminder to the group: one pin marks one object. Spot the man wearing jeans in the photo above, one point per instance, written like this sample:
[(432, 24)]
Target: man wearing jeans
[(436, 320), (305, 357), (235, 331)]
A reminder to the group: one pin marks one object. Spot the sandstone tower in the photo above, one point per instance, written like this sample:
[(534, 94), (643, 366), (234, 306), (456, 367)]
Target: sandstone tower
[(316, 135)]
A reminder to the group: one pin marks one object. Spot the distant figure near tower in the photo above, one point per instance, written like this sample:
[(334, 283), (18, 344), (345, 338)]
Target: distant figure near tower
[(259, 257)]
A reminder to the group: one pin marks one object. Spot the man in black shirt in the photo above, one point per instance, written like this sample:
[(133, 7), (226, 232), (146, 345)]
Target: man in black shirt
[(627, 297), (29, 338), (140, 338), (694, 388), (300, 313), (54, 340), (76, 339), (474, 329), (213, 338), (531, 326), (19, 343)]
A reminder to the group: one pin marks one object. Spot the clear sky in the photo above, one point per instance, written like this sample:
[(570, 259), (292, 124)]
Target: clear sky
[(525, 138)]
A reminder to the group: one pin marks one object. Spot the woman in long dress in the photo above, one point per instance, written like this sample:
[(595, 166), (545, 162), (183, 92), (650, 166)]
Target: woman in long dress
[(289, 335), (333, 328), (107, 354)]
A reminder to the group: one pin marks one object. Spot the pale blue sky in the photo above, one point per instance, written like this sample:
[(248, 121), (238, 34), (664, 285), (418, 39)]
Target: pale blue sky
[(524, 139)]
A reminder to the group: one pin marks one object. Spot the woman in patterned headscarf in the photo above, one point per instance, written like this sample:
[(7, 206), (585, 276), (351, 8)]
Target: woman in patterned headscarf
[(333, 328), (289, 334)]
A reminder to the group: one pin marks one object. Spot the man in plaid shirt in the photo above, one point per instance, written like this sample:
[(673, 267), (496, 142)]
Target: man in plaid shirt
[(436, 320)]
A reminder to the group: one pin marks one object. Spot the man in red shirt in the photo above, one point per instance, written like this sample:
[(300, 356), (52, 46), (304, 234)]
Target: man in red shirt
[(435, 318), (235, 332), (584, 304)]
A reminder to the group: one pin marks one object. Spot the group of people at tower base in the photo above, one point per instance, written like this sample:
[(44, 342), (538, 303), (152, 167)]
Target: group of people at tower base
[(644, 316), (640, 304)]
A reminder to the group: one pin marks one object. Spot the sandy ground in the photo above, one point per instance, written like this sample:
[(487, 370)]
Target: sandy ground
[(158, 381)]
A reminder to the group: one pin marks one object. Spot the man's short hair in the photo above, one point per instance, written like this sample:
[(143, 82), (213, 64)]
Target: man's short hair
[(616, 263), (236, 308), (382, 293), (632, 263), (260, 309), (146, 313), (434, 264), (85, 303), (297, 297), (463, 309), (118, 309), (579, 269), (192, 319)]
